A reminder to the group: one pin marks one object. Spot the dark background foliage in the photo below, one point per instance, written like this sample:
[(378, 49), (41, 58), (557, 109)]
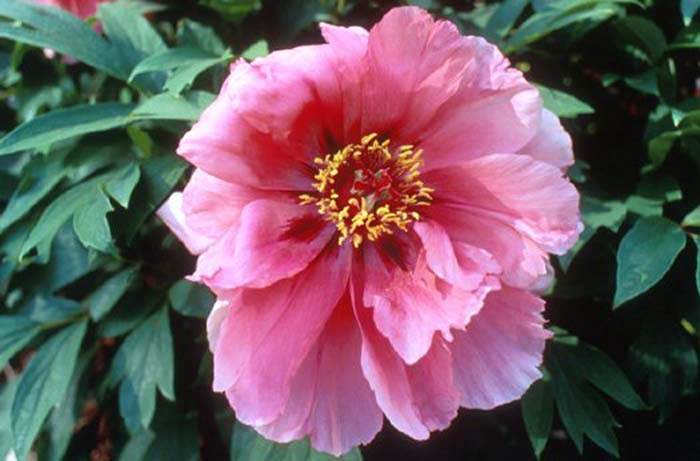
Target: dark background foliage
[(102, 345)]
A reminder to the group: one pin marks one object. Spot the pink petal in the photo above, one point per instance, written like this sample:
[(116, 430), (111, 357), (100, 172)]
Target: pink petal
[(218, 314), (414, 64), (212, 206), (551, 144), (494, 110), (269, 332), (272, 240), (330, 398), (497, 357), (416, 399), (530, 196), (172, 215)]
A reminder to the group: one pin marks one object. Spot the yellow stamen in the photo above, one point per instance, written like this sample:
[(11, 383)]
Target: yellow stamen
[(367, 190)]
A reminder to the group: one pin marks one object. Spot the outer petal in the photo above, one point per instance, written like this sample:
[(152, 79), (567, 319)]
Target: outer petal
[(416, 399), (497, 357), (212, 206), (269, 332), (551, 144), (411, 305), (414, 64), (172, 215), (495, 110), (330, 399), (273, 240), (218, 314), (528, 195)]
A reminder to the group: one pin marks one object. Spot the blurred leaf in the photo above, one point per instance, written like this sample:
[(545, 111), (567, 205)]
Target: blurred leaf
[(176, 437), (692, 219), (645, 254), (48, 310), (644, 34), (502, 20), (538, 412), (143, 362), (233, 10), (63, 124), (688, 9), (7, 395), (603, 213), (696, 239), (259, 49), (15, 332), (562, 104), (247, 445), (663, 355), (129, 312), (102, 300), (137, 446), (192, 34), (689, 37), (43, 385), (191, 299)]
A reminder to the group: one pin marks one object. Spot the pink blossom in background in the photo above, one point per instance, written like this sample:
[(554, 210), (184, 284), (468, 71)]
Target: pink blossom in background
[(375, 216)]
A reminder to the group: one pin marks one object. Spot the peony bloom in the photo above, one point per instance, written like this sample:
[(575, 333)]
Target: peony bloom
[(374, 215)]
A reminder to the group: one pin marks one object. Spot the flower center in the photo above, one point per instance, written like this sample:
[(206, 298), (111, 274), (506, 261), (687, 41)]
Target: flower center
[(368, 190)]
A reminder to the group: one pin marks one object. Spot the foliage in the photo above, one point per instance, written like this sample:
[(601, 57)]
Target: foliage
[(101, 341)]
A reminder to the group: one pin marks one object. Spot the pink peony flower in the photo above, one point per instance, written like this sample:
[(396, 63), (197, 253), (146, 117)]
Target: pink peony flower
[(374, 215)]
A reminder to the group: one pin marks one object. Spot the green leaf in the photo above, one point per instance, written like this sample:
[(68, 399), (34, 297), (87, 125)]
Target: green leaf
[(688, 9), (696, 239), (15, 332), (65, 416), (191, 299), (502, 20), (645, 35), (259, 49), (184, 76), (54, 28), (158, 178), (663, 355), (176, 436), (167, 106), (91, 225), (172, 59), (102, 300), (60, 210), (233, 10), (562, 104), (692, 219), (603, 213), (688, 38), (137, 446), (143, 362), (247, 445), (538, 413), (645, 254), (581, 409), (39, 178), (192, 34), (62, 124), (7, 395), (122, 184), (48, 310), (43, 384)]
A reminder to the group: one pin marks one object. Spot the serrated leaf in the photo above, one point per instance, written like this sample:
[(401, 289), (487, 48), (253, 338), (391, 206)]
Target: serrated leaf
[(645, 254), (63, 124), (562, 104), (144, 361), (15, 332), (102, 300), (247, 445), (191, 299), (538, 413), (43, 385)]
